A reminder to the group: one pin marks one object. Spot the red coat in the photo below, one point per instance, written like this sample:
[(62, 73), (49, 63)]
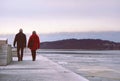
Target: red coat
[(34, 42)]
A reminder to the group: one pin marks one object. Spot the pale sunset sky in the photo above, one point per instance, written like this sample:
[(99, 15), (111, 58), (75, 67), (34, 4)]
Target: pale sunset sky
[(51, 16)]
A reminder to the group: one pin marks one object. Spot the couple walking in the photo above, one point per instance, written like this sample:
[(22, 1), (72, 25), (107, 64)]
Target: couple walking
[(33, 44)]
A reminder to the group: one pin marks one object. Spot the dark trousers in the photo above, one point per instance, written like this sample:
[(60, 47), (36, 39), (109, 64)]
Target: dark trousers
[(33, 55), (20, 53)]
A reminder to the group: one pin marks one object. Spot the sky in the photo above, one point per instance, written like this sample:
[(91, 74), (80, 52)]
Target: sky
[(51, 16)]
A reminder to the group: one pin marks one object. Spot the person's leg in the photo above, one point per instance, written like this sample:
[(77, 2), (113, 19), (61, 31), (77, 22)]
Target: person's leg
[(33, 55), (18, 54), (22, 49)]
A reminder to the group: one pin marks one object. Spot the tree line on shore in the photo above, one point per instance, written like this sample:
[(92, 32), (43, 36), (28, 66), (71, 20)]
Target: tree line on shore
[(88, 44)]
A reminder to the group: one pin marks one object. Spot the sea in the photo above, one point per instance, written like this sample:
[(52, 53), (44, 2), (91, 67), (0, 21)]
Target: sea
[(95, 65), (111, 36)]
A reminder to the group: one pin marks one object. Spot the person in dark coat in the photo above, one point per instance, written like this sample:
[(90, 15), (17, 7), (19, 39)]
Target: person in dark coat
[(20, 40), (34, 44)]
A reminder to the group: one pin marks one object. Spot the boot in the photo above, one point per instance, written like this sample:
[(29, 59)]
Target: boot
[(18, 57), (32, 57)]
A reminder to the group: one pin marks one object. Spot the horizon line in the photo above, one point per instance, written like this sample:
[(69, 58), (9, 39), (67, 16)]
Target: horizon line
[(62, 32)]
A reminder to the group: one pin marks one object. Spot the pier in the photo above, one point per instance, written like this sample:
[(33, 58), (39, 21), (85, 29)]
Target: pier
[(42, 69)]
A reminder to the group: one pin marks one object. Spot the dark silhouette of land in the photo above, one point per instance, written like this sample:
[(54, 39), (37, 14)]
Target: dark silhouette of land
[(89, 44)]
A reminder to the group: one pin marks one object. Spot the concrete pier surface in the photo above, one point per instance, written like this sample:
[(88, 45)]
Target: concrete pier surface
[(42, 69)]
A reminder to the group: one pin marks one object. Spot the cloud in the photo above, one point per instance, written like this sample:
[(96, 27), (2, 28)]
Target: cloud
[(59, 7), (60, 15)]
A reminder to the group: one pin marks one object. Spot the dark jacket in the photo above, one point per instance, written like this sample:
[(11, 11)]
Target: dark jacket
[(20, 39), (34, 42)]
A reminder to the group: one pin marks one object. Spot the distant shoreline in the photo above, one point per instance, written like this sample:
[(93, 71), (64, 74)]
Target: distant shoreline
[(84, 44)]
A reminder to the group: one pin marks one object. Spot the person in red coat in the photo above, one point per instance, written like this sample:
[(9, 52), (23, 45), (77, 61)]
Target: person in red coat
[(34, 44)]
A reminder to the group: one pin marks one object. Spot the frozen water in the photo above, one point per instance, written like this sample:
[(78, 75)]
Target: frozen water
[(94, 65)]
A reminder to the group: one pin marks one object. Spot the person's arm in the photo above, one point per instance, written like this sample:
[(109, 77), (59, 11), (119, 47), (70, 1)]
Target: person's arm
[(29, 42)]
